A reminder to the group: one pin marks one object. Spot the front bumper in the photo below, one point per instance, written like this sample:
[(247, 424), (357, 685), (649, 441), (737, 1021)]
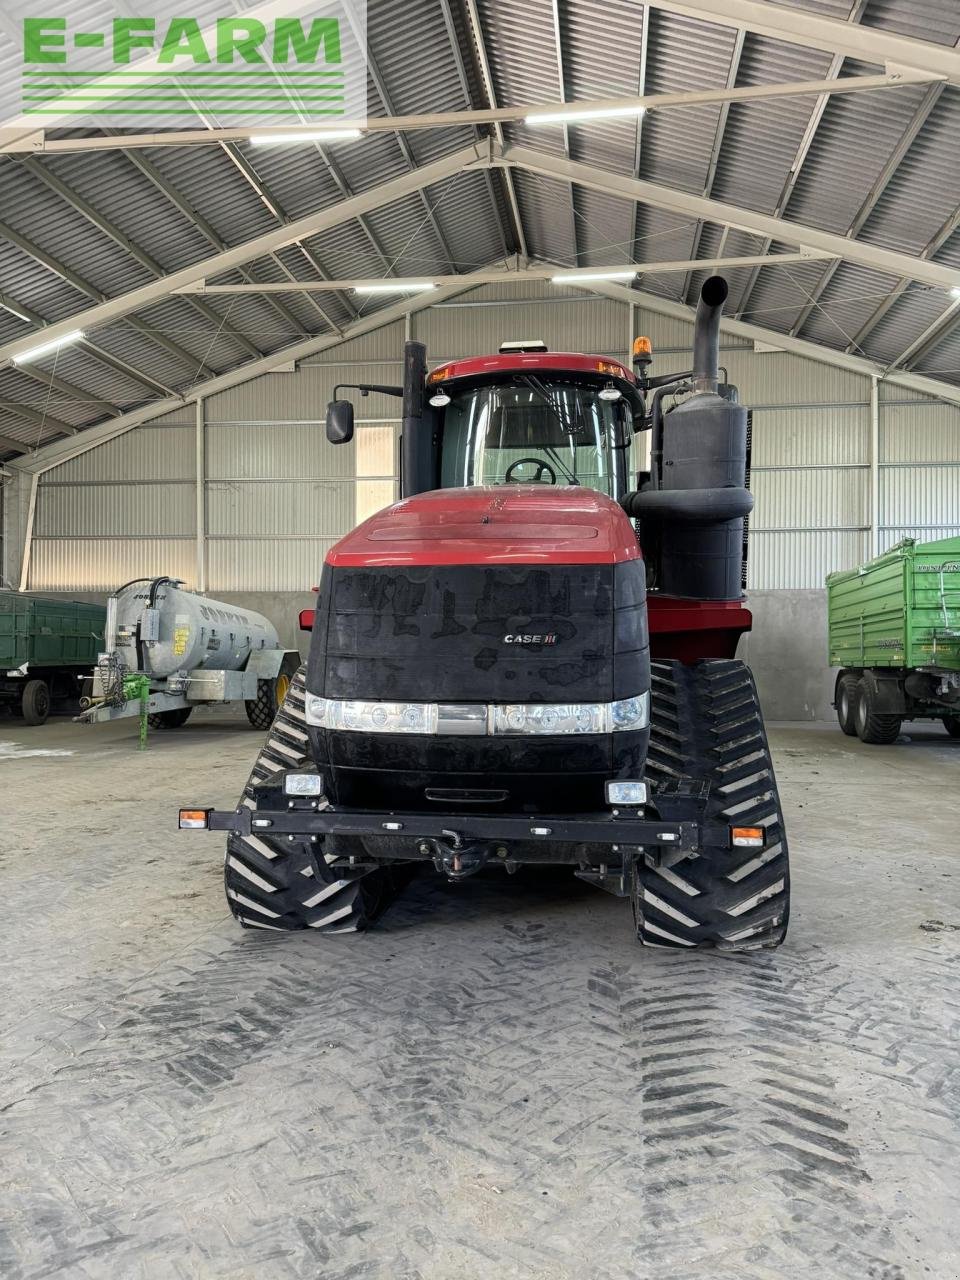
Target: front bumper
[(562, 838)]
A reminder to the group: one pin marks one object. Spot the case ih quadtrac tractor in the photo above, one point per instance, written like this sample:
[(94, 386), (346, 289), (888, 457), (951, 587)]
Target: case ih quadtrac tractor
[(530, 659)]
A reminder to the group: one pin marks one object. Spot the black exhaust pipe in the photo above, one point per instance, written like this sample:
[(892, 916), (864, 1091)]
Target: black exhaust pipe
[(706, 334), (416, 455)]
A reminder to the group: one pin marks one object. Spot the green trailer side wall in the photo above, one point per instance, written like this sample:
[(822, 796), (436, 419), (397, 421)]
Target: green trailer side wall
[(49, 633), (900, 610)]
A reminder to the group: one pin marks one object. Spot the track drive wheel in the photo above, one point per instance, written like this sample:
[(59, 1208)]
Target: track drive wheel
[(847, 704), (270, 695), (275, 883), (706, 725), (874, 727), (170, 719)]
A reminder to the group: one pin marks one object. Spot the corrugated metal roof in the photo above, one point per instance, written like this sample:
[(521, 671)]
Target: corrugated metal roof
[(756, 155)]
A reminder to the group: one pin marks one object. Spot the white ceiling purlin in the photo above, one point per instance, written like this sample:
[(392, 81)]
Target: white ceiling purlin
[(473, 17), (562, 85), (893, 162), (644, 192), (812, 31), (311, 224), (464, 80)]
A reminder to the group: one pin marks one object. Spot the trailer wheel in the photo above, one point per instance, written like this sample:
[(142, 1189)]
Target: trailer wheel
[(270, 695), (706, 725), (175, 719), (35, 702), (847, 704), (874, 727), (952, 726), (276, 883)]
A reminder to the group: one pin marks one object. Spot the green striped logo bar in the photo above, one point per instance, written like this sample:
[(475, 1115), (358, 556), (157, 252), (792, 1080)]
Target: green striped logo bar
[(291, 64)]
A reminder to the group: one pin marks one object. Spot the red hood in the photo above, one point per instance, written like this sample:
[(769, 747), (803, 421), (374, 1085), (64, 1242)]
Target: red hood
[(510, 524)]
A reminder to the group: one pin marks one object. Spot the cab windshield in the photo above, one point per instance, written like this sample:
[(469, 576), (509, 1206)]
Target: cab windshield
[(534, 431)]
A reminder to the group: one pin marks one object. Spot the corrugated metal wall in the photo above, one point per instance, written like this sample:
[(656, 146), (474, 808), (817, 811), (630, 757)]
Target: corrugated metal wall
[(276, 495)]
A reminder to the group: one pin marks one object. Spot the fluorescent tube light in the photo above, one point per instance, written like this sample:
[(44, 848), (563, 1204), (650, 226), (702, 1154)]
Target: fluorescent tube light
[(574, 117), (581, 276), (398, 286), (320, 135), (46, 348)]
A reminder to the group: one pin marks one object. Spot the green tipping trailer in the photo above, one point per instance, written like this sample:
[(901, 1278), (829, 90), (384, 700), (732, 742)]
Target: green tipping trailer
[(47, 648), (894, 632)]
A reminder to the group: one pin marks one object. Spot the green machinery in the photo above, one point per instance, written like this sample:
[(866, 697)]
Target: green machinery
[(894, 632), (47, 649)]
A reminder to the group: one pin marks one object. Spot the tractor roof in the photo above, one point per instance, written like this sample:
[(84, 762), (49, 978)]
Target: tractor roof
[(530, 362)]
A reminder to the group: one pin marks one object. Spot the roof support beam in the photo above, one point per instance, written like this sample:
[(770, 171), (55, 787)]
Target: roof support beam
[(10, 445), (66, 389), (530, 271), (642, 192), (62, 451), (36, 418), (313, 223), (810, 30)]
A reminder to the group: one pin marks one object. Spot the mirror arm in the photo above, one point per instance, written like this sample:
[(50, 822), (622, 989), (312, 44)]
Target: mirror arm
[(365, 388)]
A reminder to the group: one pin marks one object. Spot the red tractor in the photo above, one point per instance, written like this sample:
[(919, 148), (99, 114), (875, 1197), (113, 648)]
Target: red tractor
[(530, 659)]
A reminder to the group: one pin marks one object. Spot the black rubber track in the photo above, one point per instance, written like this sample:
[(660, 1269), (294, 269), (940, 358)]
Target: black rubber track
[(706, 724), (275, 883)]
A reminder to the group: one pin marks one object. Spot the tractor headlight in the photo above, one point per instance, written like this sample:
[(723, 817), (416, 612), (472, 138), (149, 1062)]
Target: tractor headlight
[(630, 713), (548, 718), (497, 720), (371, 717)]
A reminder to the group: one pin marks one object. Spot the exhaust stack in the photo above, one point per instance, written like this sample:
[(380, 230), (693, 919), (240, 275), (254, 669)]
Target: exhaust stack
[(706, 334), (695, 515)]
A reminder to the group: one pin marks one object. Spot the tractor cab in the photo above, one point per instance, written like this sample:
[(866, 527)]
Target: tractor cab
[(534, 418), (523, 416)]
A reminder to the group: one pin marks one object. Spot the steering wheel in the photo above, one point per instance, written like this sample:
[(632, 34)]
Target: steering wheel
[(543, 468)]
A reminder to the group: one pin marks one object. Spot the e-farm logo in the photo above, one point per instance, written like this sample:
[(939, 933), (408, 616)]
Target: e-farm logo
[(272, 64)]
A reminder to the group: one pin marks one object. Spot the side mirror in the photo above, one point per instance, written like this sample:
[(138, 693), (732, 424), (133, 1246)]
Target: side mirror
[(339, 421)]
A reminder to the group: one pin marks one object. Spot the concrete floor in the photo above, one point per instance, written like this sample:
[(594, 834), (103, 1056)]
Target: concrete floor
[(498, 1082)]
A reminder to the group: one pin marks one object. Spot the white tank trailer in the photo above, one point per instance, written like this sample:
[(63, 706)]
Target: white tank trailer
[(191, 651)]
